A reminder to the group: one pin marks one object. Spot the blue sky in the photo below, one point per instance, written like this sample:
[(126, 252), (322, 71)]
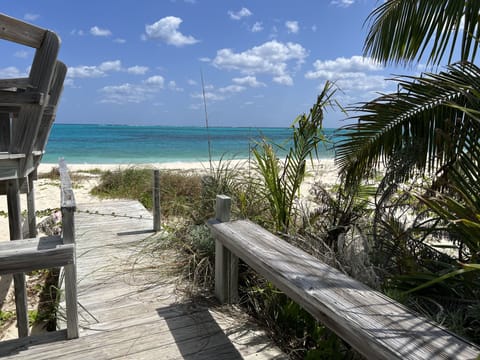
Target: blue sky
[(263, 62)]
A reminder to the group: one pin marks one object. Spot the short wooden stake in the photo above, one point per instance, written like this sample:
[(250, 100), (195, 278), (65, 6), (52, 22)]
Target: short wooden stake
[(226, 263), (156, 200)]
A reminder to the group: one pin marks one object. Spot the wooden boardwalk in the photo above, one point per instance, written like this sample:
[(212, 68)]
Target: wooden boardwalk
[(123, 316)]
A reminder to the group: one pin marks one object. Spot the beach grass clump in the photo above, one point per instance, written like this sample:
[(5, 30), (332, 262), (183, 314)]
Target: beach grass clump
[(129, 183), (180, 193)]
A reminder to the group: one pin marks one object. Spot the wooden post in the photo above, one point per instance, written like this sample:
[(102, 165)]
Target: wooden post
[(31, 211), (15, 226), (156, 200), (68, 207), (226, 263)]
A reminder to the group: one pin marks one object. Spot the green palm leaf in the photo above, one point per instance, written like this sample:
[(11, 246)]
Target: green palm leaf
[(423, 127), (402, 31)]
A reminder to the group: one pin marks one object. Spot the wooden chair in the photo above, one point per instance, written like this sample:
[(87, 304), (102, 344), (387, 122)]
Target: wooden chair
[(27, 110)]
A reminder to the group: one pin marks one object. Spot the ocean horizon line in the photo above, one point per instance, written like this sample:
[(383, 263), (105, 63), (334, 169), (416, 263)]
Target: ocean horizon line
[(126, 144), (183, 126)]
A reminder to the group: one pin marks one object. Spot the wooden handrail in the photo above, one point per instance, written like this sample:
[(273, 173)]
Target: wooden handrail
[(372, 323)]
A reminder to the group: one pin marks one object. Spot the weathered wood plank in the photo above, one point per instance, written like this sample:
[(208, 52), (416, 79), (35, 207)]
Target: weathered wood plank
[(127, 313), (20, 32), (374, 324), (34, 254)]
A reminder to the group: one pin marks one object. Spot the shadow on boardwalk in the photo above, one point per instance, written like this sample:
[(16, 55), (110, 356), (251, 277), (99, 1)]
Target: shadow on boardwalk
[(122, 316)]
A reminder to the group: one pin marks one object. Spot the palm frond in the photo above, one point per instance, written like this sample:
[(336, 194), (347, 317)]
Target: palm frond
[(403, 31), (424, 126)]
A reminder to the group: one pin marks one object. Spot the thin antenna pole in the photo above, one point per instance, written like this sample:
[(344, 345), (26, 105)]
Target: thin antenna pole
[(206, 122)]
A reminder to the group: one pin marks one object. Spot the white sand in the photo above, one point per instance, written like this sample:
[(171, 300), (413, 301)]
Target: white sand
[(47, 192)]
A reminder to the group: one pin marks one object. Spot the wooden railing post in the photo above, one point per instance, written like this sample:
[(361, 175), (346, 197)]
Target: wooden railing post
[(226, 263), (156, 200), (15, 226), (68, 207)]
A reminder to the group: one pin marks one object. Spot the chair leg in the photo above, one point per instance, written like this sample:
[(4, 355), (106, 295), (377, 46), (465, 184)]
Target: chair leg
[(15, 226)]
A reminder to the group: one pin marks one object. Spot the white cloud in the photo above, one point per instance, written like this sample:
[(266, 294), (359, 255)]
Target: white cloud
[(166, 29), (342, 3), (191, 82), (272, 57), (249, 81), (106, 66), (243, 12), (22, 54), (120, 41), (356, 76), (232, 89), (137, 70), (125, 93), (132, 93), (95, 71), (96, 31), (353, 64), (31, 17), (12, 72), (209, 95), (156, 80), (292, 26), (77, 32), (172, 85), (283, 80), (257, 27), (314, 28), (205, 59)]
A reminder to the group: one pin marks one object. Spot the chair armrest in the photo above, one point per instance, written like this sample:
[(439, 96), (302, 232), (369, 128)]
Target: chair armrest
[(19, 83), (20, 32), (13, 98)]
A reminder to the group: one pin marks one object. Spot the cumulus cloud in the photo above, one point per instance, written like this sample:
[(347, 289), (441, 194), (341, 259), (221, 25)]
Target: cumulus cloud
[(272, 58), (357, 76), (137, 70), (243, 12), (248, 81), (124, 93), (96, 31), (342, 3), (95, 71), (292, 26), (257, 27), (12, 72), (132, 93), (232, 89), (156, 80), (166, 29)]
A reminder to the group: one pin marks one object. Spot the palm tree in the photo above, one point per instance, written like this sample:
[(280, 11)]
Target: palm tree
[(422, 127)]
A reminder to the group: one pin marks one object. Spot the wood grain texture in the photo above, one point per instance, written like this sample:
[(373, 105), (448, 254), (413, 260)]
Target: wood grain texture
[(130, 309), (35, 254), (372, 323), (20, 32)]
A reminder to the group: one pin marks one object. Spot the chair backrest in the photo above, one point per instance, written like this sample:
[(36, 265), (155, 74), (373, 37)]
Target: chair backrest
[(26, 104), (49, 112)]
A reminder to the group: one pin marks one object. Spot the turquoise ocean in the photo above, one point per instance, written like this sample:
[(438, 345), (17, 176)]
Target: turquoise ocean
[(124, 144)]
